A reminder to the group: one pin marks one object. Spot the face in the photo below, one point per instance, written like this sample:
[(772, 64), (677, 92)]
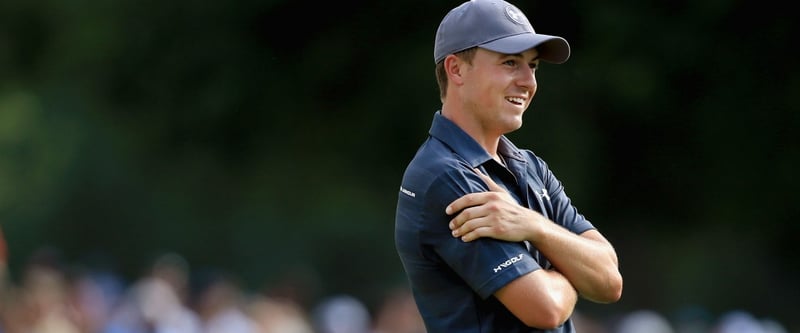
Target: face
[(499, 87)]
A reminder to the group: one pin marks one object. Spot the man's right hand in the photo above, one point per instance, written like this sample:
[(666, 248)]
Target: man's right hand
[(493, 214)]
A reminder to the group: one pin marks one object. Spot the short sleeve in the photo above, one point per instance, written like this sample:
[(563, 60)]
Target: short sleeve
[(485, 264)]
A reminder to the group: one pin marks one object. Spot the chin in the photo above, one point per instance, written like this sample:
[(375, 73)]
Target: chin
[(515, 121), (513, 125)]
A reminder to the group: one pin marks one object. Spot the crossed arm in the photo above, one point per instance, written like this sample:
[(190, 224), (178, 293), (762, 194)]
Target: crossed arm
[(585, 264)]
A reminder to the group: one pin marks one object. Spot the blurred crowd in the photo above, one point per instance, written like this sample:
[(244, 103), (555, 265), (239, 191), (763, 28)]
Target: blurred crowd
[(54, 297), (692, 320)]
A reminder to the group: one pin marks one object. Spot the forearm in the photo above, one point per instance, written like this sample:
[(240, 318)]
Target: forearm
[(543, 298), (588, 261)]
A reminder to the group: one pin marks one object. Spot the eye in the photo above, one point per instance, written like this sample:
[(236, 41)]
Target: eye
[(534, 65), (510, 62)]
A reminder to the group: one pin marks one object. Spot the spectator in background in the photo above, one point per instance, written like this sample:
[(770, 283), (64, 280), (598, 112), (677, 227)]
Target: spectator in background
[(42, 303), (641, 321), (585, 323), (155, 304), (278, 315), (739, 321), (173, 269), (341, 314), (94, 294), (218, 300), (398, 314)]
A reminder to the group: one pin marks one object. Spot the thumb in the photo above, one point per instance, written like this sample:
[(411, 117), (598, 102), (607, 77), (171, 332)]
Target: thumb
[(489, 182)]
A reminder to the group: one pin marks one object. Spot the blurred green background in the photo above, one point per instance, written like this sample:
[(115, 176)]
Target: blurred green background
[(269, 137)]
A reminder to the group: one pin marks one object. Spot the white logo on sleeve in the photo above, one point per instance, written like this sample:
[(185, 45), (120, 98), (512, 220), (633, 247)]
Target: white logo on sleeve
[(407, 192), (508, 262)]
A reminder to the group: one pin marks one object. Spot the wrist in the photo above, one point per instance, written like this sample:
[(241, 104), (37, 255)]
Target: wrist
[(535, 226)]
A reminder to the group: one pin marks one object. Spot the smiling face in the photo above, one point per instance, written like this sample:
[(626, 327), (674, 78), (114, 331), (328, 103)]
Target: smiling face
[(498, 88)]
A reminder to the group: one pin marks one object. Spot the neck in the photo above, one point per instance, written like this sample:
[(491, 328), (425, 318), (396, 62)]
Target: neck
[(474, 128)]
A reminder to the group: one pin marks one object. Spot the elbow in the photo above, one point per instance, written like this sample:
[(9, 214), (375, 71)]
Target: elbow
[(548, 321), (613, 291), (617, 290), (552, 316)]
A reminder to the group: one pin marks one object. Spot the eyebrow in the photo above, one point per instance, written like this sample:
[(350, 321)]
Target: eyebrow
[(519, 55)]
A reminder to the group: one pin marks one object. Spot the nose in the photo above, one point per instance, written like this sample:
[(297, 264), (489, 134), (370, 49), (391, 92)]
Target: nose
[(527, 80)]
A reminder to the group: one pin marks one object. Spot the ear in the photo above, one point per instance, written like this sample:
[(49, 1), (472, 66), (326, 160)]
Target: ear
[(454, 66)]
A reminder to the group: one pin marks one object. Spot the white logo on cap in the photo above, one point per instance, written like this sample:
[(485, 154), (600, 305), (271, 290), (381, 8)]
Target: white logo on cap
[(515, 15)]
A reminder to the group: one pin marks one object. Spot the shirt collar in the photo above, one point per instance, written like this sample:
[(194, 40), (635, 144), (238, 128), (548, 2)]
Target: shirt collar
[(465, 146)]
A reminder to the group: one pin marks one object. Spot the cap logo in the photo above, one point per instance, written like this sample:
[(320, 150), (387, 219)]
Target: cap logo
[(515, 15)]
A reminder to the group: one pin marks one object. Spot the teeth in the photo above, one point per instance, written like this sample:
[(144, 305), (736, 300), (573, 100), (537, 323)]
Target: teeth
[(516, 100)]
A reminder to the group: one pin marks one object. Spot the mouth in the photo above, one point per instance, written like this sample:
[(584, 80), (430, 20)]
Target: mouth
[(516, 100)]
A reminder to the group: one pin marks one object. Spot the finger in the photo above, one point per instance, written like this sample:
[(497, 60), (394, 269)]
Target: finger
[(466, 221), (477, 230), (489, 181), (474, 234), (465, 201), (465, 216)]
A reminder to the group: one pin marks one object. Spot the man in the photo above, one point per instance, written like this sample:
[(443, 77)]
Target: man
[(489, 239)]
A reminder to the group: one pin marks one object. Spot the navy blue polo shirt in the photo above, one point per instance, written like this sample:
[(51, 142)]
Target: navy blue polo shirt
[(453, 282)]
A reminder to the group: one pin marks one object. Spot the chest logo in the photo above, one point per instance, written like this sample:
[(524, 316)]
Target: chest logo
[(543, 194)]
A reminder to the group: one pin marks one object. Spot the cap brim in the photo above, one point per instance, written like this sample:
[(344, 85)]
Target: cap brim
[(551, 49)]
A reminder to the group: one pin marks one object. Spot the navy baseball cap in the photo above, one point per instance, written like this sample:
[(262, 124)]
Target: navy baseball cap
[(494, 25)]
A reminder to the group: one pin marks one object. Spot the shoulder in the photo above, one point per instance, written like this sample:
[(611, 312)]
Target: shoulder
[(438, 173), (432, 161)]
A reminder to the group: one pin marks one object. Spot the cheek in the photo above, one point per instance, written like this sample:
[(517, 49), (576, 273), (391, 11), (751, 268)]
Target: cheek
[(480, 90), (497, 84)]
